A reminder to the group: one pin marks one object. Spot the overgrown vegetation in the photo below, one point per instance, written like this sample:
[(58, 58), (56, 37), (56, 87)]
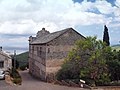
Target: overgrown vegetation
[(92, 61), (114, 65), (21, 61), (16, 76)]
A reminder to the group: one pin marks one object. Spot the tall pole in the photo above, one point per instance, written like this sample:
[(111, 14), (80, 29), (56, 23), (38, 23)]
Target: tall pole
[(14, 59)]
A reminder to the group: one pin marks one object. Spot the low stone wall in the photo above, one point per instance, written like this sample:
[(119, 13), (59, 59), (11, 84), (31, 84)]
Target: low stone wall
[(8, 79), (108, 88), (72, 84)]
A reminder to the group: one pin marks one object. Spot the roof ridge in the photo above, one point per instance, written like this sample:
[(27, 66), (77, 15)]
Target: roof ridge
[(50, 36), (61, 30)]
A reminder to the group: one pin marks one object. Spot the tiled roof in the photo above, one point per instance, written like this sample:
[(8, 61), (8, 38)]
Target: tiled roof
[(49, 37)]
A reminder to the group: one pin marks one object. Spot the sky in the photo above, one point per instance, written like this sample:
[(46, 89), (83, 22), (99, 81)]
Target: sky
[(20, 19)]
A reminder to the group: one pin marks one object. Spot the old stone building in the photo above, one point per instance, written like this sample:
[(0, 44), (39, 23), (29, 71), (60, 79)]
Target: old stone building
[(48, 50), (5, 61)]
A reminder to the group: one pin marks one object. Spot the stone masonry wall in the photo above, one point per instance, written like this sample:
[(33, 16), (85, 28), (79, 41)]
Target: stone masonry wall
[(7, 62), (68, 38), (37, 63), (46, 59), (57, 50)]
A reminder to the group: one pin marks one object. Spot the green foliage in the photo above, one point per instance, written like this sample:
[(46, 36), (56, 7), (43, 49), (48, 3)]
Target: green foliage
[(22, 59), (114, 65), (17, 80), (17, 63), (87, 61), (68, 71), (14, 73), (16, 76), (115, 83), (23, 67), (106, 36)]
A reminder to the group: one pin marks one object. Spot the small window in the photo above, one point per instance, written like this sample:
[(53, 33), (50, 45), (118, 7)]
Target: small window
[(48, 50), (1, 64), (32, 47), (40, 50)]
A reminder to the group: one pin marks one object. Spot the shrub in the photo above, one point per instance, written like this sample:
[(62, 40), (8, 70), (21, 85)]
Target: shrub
[(115, 83), (23, 67), (17, 80), (16, 76), (67, 72), (14, 73), (87, 60)]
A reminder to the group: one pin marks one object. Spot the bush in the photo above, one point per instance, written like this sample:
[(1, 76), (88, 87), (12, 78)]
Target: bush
[(16, 76), (14, 73), (87, 60), (115, 83), (67, 72), (23, 67), (63, 74), (17, 80)]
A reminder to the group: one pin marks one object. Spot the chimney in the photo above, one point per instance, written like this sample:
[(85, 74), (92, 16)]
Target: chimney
[(43, 28), (31, 39)]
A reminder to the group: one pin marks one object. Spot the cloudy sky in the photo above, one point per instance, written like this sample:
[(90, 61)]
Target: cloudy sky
[(21, 18)]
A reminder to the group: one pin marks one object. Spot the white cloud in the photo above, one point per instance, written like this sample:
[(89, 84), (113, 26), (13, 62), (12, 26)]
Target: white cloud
[(115, 25), (104, 7), (20, 41), (22, 27), (117, 3), (29, 16), (55, 14)]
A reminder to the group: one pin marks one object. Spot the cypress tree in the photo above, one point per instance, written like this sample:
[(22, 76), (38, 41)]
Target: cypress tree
[(106, 36)]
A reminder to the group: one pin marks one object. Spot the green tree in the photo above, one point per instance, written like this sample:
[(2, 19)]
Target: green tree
[(87, 61), (106, 36), (114, 65)]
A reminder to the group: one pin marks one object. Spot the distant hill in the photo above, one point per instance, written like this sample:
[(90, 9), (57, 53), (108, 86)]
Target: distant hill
[(116, 47), (22, 58)]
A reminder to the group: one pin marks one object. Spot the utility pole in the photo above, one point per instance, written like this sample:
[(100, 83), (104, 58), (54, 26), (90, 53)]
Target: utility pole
[(14, 59)]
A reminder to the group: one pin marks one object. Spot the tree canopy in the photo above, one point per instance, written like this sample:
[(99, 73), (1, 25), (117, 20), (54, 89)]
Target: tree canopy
[(86, 61)]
